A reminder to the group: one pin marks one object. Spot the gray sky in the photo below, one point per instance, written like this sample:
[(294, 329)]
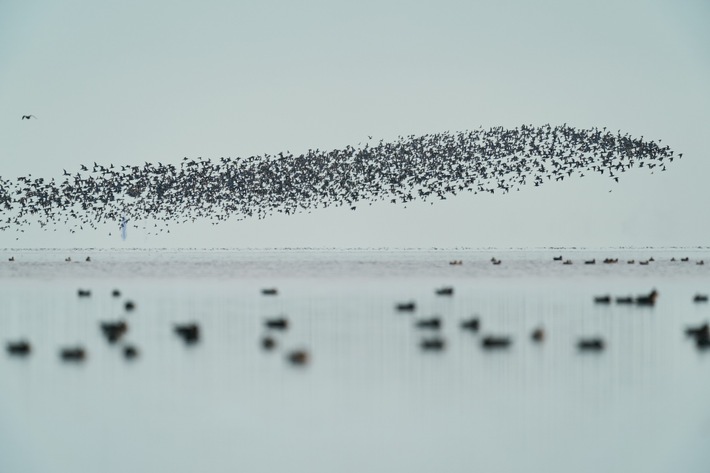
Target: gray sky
[(134, 81)]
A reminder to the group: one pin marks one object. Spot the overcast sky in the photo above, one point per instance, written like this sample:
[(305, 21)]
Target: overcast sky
[(136, 81)]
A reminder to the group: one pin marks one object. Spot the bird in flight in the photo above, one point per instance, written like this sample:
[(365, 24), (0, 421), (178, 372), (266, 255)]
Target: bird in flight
[(27, 117)]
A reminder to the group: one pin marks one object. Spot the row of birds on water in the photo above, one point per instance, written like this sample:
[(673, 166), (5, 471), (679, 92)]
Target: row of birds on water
[(190, 333), (496, 261), (427, 167), (631, 261), (68, 259)]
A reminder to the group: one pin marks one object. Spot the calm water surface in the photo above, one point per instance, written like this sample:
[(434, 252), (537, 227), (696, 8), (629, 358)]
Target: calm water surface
[(371, 399)]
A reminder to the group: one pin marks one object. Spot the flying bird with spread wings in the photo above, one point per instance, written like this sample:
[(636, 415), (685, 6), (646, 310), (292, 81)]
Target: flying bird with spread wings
[(27, 117)]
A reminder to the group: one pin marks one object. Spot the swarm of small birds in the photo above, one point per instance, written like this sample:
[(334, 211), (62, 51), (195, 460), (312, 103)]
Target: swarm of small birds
[(427, 167)]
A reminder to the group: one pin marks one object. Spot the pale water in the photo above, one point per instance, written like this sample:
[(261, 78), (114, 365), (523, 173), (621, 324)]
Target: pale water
[(370, 399)]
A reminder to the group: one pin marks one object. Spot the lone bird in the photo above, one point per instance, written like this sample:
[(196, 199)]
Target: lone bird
[(406, 307), (298, 357), (27, 117), (472, 324), (647, 300), (130, 352), (73, 354), (495, 342), (279, 323), (113, 331), (433, 344), (433, 323), (445, 291), (190, 333), (538, 335), (268, 343), (590, 344), (20, 348)]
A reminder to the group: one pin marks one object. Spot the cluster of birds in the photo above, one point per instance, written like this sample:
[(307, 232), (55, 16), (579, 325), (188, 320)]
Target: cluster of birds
[(432, 166), (496, 261), (537, 335), (645, 262), (114, 331)]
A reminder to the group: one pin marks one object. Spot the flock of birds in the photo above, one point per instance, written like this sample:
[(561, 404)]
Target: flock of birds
[(700, 333), (114, 331), (645, 262), (432, 166)]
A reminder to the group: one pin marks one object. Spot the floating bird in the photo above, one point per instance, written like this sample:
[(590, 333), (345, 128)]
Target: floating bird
[(268, 343), (19, 348), (433, 344), (298, 357), (445, 291), (130, 352), (538, 334), (647, 300), (590, 344), (190, 332), (700, 331), (495, 342), (406, 307), (73, 354), (280, 323), (433, 323), (473, 324), (271, 291), (113, 331)]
